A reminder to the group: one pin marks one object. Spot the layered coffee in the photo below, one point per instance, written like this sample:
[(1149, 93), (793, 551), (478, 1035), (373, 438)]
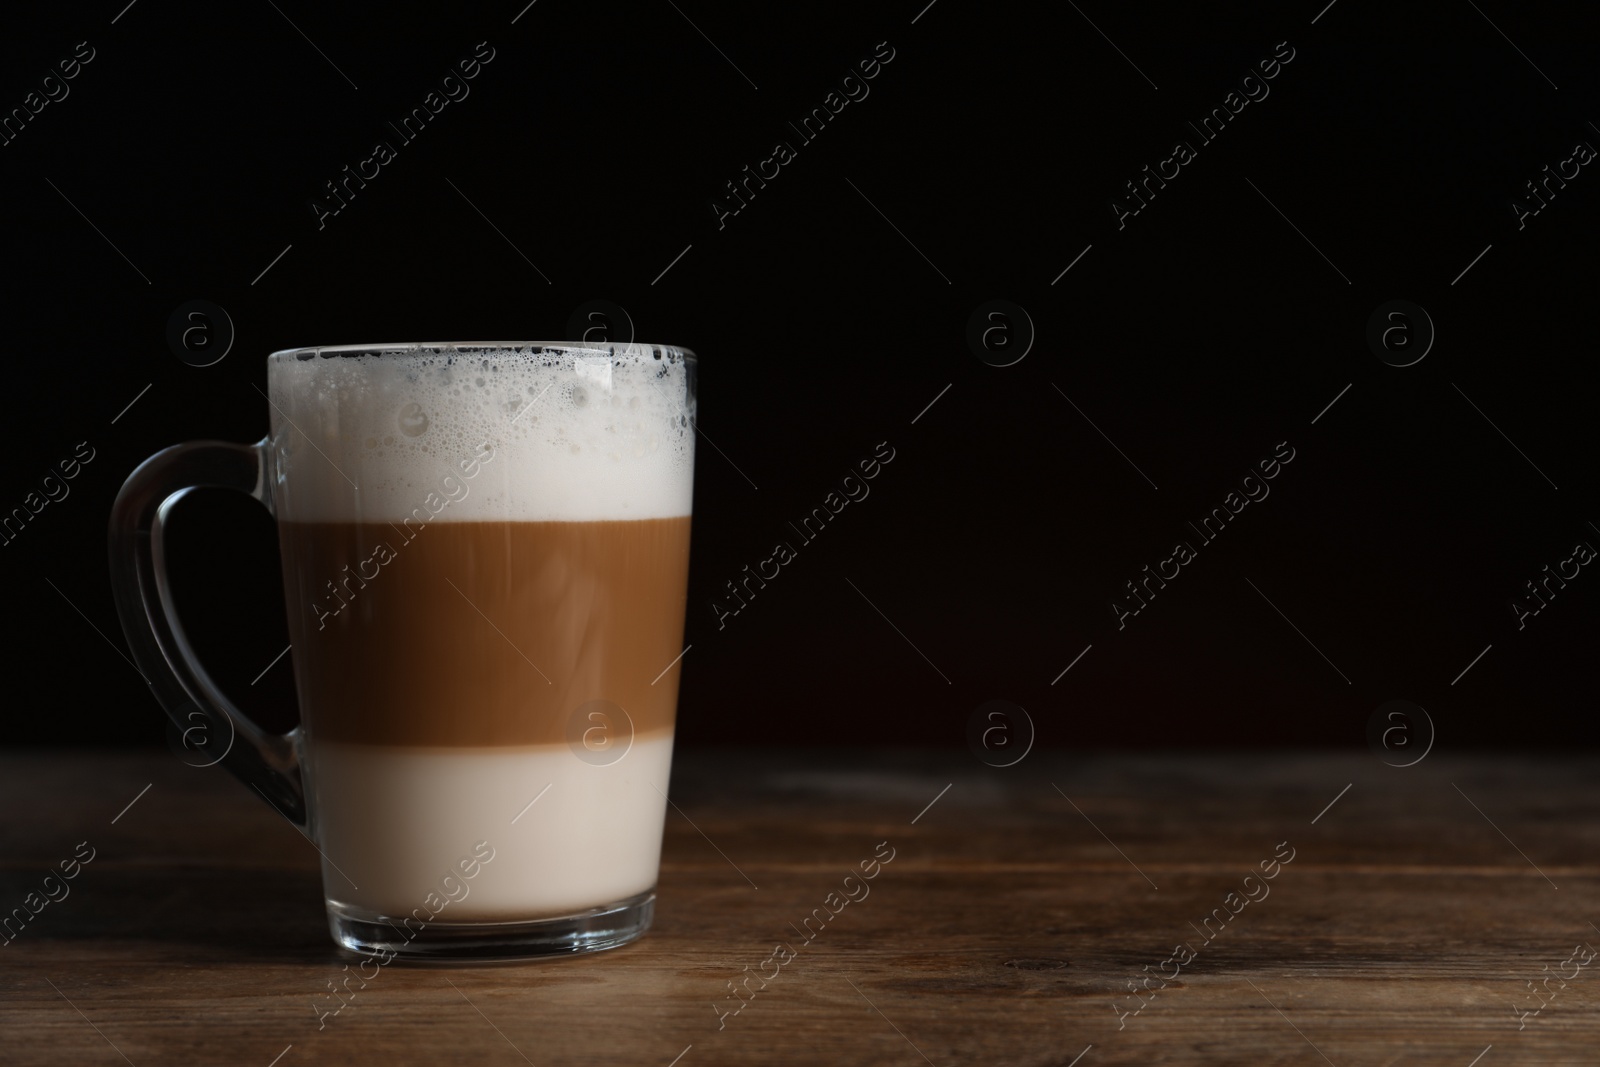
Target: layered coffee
[(486, 556)]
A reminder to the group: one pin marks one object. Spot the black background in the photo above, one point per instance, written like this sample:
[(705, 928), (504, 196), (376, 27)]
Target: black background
[(1196, 338)]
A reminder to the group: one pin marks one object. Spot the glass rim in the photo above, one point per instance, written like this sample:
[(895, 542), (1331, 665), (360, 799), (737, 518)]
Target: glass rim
[(435, 348)]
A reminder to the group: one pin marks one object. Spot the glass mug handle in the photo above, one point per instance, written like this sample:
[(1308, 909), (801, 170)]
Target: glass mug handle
[(269, 762)]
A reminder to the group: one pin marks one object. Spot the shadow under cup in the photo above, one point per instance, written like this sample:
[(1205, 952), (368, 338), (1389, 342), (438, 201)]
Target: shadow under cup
[(485, 557)]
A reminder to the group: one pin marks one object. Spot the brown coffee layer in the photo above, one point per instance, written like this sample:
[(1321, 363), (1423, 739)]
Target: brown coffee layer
[(485, 633)]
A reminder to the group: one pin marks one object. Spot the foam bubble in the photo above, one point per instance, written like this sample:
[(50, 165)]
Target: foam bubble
[(474, 433)]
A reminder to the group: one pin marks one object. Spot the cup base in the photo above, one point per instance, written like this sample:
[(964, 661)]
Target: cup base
[(592, 930)]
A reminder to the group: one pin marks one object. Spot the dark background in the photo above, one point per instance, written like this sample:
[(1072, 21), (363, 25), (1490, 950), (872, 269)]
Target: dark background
[(1196, 338)]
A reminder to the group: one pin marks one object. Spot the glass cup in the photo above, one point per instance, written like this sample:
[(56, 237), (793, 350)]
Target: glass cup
[(485, 557)]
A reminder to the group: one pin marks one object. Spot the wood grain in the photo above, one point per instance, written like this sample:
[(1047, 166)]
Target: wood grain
[(1007, 926)]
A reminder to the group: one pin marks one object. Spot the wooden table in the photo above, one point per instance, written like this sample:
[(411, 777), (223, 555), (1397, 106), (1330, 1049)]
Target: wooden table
[(1020, 903)]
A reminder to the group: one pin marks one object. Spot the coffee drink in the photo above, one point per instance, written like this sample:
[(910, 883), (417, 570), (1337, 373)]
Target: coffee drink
[(485, 553)]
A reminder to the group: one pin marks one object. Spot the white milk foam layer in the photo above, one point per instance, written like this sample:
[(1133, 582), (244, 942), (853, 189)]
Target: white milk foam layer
[(453, 434), (395, 821)]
